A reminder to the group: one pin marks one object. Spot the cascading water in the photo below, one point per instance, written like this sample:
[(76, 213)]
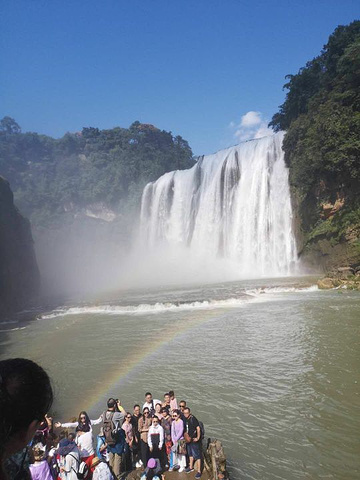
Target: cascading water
[(233, 205)]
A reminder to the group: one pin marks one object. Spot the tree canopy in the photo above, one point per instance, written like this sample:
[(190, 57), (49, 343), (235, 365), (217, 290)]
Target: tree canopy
[(321, 115), (49, 176)]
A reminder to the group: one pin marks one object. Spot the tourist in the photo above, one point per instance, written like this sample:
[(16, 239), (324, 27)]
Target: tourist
[(100, 470), (25, 397), (129, 438), (150, 403), (84, 436), (69, 458), (182, 406), (166, 402), (40, 469), (192, 437), (153, 470), (83, 423), (173, 401), (157, 412), (84, 440), (178, 457), (156, 438), (114, 435), (144, 425), (136, 444), (44, 433), (166, 424)]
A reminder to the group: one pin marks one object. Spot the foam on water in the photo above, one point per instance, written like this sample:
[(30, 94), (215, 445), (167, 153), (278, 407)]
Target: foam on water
[(161, 307)]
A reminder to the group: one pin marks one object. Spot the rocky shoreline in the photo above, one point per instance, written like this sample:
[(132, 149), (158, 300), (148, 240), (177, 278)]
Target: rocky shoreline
[(347, 277)]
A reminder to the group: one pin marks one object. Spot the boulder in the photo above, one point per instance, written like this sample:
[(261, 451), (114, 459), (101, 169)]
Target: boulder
[(325, 283)]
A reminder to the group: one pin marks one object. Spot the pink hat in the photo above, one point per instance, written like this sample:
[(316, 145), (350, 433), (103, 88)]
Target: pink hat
[(151, 463)]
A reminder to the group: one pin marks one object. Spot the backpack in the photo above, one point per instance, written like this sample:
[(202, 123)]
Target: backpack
[(109, 429), (82, 469), (202, 430)]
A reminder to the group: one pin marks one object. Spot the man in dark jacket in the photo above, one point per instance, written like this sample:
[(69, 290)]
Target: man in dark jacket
[(193, 445)]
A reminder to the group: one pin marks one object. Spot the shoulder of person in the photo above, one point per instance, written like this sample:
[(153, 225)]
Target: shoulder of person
[(194, 419)]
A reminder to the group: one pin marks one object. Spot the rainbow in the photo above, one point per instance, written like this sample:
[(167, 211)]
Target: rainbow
[(131, 362)]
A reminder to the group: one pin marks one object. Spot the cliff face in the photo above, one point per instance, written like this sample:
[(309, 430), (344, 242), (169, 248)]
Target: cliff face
[(327, 224), (19, 274)]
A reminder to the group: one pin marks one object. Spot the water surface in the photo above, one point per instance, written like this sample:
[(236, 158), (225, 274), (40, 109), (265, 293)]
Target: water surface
[(271, 367)]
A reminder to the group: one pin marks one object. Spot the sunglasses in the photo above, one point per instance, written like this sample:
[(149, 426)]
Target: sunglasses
[(146, 413), (174, 416)]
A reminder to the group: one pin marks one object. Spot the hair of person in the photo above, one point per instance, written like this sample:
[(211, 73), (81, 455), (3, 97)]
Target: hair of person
[(166, 394), (145, 410), (38, 454), (111, 403), (136, 405), (25, 395), (158, 404), (172, 393), (71, 437), (150, 474), (177, 411), (183, 401), (164, 409), (83, 426), (187, 408), (148, 393)]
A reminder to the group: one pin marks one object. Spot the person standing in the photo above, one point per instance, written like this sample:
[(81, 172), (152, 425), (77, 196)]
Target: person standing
[(40, 469), (136, 444), (144, 425), (179, 445), (150, 403), (192, 437), (69, 459), (114, 435), (156, 438), (166, 424), (129, 438), (167, 401), (182, 406), (173, 401), (100, 470)]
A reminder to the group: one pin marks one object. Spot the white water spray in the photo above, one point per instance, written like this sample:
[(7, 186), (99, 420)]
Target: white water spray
[(233, 205)]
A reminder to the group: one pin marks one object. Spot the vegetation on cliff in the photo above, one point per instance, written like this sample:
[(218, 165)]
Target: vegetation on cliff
[(321, 115), (50, 176)]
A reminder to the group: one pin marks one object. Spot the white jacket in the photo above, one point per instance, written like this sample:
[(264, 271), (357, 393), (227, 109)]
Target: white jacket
[(156, 430)]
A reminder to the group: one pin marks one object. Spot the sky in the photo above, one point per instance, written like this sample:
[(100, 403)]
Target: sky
[(211, 71)]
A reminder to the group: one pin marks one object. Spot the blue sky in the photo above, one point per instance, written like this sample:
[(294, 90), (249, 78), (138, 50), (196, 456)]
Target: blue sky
[(195, 67)]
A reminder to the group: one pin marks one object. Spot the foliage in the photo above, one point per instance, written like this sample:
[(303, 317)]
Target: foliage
[(321, 115), (51, 176)]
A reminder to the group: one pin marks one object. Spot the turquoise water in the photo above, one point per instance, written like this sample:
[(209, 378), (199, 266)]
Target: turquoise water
[(271, 367)]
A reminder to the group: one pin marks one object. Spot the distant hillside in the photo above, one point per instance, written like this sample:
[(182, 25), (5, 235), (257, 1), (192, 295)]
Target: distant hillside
[(98, 172), (321, 115)]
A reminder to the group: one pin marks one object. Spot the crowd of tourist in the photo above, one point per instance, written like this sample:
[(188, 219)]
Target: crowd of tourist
[(159, 436)]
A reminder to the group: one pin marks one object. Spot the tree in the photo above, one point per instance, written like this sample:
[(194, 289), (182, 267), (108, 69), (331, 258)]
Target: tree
[(9, 126)]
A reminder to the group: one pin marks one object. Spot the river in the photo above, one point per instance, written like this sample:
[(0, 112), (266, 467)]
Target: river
[(271, 367)]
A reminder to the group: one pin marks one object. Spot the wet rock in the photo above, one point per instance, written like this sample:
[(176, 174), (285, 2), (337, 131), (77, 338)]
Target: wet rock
[(325, 283)]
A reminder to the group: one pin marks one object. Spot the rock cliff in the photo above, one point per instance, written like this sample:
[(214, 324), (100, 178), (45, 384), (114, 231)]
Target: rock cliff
[(327, 225), (19, 274)]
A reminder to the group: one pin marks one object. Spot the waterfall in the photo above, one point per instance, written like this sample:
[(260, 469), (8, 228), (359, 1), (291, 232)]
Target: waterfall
[(232, 205)]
